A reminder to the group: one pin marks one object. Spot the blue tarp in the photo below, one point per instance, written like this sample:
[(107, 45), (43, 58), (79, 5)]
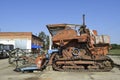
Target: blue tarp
[(35, 46)]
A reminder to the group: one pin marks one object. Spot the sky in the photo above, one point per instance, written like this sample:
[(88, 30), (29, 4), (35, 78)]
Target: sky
[(34, 15)]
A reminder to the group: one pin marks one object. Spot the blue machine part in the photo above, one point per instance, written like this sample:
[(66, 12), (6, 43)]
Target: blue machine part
[(32, 67), (53, 50), (50, 52)]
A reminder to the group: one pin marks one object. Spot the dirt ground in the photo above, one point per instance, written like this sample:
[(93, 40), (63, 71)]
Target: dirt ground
[(7, 73)]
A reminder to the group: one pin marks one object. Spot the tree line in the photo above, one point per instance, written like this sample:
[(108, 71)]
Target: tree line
[(115, 46), (45, 40)]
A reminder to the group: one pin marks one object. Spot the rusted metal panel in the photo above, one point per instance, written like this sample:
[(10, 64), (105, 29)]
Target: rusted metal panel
[(65, 35), (83, 38)]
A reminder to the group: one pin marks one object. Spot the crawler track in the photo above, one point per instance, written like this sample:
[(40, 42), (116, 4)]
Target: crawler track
[(103, 65)]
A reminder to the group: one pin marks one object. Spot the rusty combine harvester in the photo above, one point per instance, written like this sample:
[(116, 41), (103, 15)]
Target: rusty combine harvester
[(76, 48)]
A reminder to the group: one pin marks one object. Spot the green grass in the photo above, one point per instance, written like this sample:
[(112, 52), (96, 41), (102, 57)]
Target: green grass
[(114, 51)]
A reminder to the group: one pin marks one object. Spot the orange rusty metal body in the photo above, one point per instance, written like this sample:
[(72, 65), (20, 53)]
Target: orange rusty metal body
[(67, 36), (78, 48), (40, 60)]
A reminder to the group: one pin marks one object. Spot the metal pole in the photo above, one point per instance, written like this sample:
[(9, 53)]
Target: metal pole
[(83, 19)]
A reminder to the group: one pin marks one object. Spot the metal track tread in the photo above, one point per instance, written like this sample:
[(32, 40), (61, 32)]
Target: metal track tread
[(105, 69), (82, 70)]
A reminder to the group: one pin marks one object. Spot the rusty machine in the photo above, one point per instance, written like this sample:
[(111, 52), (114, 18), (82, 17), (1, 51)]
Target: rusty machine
[(76, 48)]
